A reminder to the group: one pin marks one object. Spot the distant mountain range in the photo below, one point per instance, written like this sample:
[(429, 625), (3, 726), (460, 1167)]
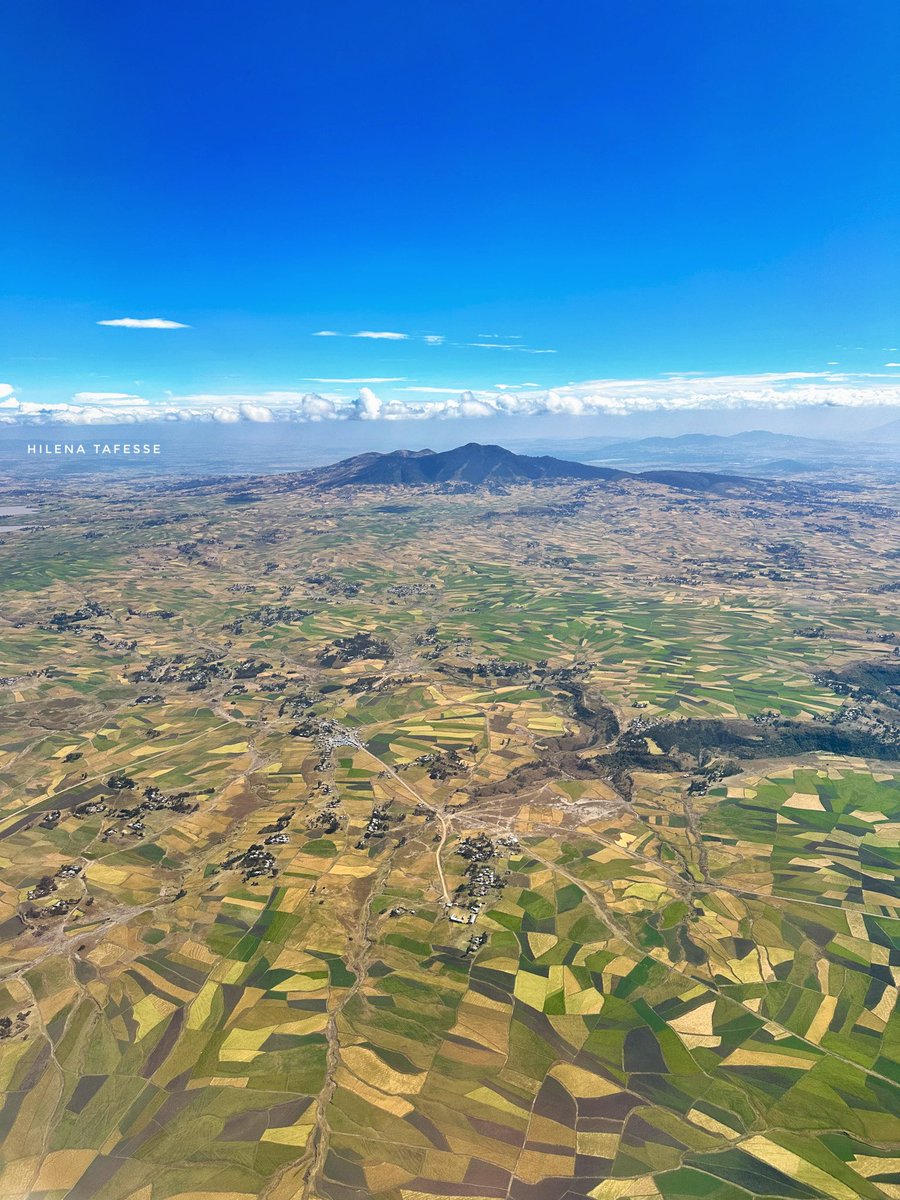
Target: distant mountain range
[(756, 453), (753, 446), (478, 465), (886, 433), (758, 440)]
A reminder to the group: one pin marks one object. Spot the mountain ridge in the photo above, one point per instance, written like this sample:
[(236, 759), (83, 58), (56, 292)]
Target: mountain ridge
[(477, 465)]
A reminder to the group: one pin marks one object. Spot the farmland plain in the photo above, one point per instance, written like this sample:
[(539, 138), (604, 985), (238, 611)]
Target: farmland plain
[(525, 843)]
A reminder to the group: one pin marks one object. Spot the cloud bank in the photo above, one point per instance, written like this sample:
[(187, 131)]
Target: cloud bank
[(599, 397)]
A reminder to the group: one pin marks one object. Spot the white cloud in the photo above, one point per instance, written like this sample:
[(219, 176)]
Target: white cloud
[(368, 406), (554, 402), (256, 412), (506, 346), (897, 364), (470, 407), (386, 335), (145, 323), (384, 379), (383, 335), (6, 389), (317, 408)]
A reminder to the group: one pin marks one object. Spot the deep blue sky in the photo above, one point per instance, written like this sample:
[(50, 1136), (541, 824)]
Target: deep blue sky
[(639, 186)]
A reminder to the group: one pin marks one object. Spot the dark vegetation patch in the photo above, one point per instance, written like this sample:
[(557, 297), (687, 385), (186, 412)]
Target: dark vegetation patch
[(782, 739), (352, 649), (879, 680)]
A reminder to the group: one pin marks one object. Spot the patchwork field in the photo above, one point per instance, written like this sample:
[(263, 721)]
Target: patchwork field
[(526, 844)]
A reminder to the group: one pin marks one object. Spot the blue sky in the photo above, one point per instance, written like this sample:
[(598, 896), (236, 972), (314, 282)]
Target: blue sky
[(631, 189)]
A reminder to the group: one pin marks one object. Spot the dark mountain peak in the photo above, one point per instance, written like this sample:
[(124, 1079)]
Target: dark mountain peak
[(476, 465), (471, 464)]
